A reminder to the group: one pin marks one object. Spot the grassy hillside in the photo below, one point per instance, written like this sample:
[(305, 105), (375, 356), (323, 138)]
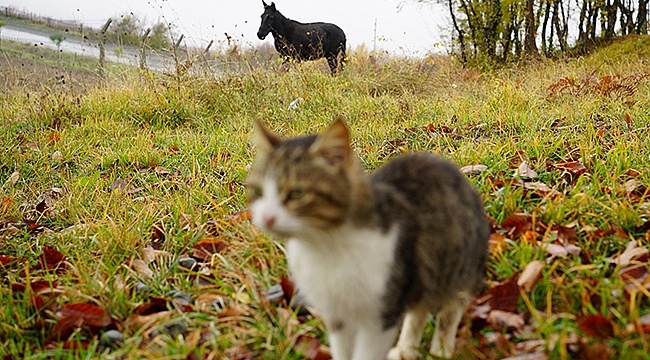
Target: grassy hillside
[(122, 209)]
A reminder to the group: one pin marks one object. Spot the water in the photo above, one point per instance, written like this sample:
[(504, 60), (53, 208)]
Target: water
[(76, 45)]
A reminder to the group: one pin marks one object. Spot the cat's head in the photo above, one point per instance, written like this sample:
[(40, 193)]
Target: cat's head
[(302, 184)]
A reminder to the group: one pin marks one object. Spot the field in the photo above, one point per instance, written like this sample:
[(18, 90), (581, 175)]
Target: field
[(123, 223)]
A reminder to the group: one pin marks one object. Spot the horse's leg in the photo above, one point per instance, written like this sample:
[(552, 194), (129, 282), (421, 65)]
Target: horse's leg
[(333, 62)]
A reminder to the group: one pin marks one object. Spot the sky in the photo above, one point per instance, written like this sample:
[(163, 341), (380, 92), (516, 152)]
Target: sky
[(403, 27)]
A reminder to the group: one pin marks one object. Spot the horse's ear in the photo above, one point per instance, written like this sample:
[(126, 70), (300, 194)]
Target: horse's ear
[(333, 144), (272, 6), (263, 139), (265, 4)]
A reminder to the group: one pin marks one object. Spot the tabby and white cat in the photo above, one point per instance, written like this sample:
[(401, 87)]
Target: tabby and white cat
[(371, 250)]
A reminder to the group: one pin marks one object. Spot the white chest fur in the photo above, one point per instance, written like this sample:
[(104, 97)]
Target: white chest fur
[(344, 274)]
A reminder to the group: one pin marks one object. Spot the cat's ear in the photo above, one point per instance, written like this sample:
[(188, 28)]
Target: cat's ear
[(263, 139), (333, 144)]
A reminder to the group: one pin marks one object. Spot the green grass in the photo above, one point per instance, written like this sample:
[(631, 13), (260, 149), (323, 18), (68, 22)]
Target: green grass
[(182, 145)]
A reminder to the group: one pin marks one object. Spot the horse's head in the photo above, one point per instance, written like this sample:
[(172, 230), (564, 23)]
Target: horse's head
[(268, 17)]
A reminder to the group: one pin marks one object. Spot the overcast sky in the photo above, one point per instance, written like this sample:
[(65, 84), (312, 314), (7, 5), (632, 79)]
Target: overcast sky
[(404, 27)]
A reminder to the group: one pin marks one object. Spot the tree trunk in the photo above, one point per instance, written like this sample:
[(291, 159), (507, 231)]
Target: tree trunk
[(642, 18), (530, 45)]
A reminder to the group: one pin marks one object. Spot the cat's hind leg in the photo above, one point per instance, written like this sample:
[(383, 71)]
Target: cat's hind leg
[(447, 320), (409, 338)]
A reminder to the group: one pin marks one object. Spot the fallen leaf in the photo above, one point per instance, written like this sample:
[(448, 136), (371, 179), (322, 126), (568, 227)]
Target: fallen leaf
[(73, 316), (505, 319), (575, 168), (496, 241), (541, 189), (525, 171), (142, 268), (12, 179), (539, 355), (159, 170), (234, 311), (204, 250), (5, 205), (530, 275), (124, 187), (473, 169), (51, 260), (628, 118), (6, 261), (632, 252), (240, 352), (596, 326), (556, 250), (311, 348), (594, 351), (135, 322), (239, 216), (57, 156), (154, 305)]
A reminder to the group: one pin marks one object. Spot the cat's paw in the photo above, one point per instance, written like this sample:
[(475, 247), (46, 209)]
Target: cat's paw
[(398, 353)]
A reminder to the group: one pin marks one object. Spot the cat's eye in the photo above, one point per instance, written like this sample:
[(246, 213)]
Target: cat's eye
[(296, 194)]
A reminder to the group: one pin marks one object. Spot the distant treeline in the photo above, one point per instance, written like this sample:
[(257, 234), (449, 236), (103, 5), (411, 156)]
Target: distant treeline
[(502, 30)]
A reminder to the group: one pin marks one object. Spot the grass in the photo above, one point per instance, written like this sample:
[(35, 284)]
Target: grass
[(146, 160)]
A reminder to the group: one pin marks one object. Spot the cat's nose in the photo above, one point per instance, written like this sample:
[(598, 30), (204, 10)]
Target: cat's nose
[(269, 220)]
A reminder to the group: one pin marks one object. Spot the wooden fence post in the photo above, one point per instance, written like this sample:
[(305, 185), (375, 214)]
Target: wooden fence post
[(102, 47), (143, 46)]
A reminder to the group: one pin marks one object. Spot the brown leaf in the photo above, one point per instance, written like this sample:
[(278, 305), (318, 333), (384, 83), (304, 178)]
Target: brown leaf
[(240, 352), (596, 326), (240, 216), (154, 305), (628, 119), (5, 205), (516, 224), (594, 351), (142, 268), (92, 315), (575, 168), (234, 311), (51, 259), (496, 241), (311, 348), (632, 172), (6, 261), (73, 316), (530, 275), (135, 322), (204, 250)]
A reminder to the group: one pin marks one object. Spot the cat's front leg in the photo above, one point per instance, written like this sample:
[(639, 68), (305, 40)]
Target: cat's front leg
[(372, 342), (341, 339)]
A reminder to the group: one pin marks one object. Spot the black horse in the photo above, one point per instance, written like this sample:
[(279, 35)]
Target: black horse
[(300, 41)]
